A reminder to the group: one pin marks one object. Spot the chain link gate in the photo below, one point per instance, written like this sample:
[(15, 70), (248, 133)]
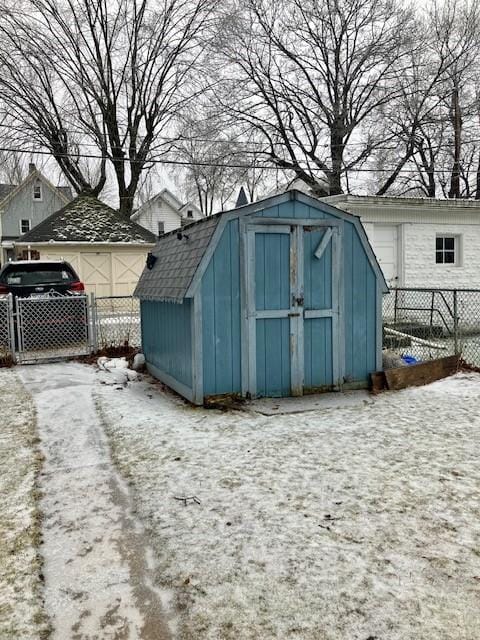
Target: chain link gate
[(51, 327)]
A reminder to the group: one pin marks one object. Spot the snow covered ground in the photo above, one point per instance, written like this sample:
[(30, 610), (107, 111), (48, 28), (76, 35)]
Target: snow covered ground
[(359, 522), (21, 615)]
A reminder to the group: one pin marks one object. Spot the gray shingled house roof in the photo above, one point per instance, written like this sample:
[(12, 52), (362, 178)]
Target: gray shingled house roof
[(177, 261), (86, 219)]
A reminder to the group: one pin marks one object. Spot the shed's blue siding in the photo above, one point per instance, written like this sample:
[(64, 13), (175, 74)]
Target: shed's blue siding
[(360, 299), (167, 338), (221, 313), (360, 287), (221, 316), (272, 292)]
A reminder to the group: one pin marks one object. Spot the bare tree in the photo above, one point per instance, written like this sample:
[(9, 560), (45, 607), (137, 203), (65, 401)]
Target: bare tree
[(219, 161), (100, 78), (434, 108), (309, 75)]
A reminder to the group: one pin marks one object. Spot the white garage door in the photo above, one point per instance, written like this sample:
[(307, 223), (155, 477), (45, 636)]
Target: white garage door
[(127, 268), (97, 273), (385, 245)]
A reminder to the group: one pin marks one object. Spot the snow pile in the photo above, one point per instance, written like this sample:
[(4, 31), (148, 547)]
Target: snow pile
[(115, 371), (356, 522), (21, 615)]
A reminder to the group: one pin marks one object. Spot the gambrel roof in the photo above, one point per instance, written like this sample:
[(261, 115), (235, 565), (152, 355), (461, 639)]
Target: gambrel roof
[(182, 257), (177, 261), (87, 219)]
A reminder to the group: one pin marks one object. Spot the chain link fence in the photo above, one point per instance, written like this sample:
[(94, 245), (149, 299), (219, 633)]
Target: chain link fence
[(53, 326), (56, 326), (425, 324), (116, 322)]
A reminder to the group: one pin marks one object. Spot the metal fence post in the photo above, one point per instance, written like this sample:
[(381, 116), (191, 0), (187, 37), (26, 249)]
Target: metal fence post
[(455, 323), (11, 326), (93, 324)]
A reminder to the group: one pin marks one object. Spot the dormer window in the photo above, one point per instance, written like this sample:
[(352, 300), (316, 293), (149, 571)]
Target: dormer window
[(37, 190)]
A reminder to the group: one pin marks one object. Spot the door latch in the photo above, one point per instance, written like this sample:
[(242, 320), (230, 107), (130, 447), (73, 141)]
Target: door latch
[(298, 301)]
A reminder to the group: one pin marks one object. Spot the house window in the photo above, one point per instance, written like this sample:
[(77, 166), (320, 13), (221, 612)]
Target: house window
[(446, 249), (189, 213), (25, 226), (161, 228), (37, 190)]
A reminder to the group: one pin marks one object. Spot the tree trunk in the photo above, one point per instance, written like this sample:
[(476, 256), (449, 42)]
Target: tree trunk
[(456, 119), (477, 185), (337, 148)]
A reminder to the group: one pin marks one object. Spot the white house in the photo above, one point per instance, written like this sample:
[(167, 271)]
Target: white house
[(421, 242), (164, 212)]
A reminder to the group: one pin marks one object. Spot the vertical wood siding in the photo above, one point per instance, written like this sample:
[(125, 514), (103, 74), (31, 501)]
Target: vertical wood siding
[(318, 334), (318, 353), (360, 302), (221, 316), (273, 357), (317, 273), (272, 292), (167, 338), (360, 309)]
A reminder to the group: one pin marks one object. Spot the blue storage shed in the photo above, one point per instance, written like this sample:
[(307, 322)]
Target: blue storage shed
[(280, 297)]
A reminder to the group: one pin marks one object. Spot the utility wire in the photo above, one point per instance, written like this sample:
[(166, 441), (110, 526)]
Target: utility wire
[(193, 163)]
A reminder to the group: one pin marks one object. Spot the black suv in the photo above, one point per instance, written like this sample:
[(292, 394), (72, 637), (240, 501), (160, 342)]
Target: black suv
[(37, 278)]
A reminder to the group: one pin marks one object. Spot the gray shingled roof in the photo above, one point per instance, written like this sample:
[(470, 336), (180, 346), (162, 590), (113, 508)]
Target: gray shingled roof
[(177, 261), (86, 219)]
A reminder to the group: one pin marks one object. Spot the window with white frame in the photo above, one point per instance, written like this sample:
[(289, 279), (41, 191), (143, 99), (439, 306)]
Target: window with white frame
[(37, 190), (189, 213), (447, 250), (161, 228), (25, 226)]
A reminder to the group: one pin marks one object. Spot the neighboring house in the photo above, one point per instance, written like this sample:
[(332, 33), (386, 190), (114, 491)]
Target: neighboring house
[(277, 298), (421, 242), (106, 249), (164, 212), (24, 206)]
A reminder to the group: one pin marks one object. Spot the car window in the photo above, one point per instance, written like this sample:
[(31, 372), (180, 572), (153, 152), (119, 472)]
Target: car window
[(27, 277)]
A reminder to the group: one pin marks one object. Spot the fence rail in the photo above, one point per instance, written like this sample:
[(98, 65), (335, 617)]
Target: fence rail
[(426, 323)]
